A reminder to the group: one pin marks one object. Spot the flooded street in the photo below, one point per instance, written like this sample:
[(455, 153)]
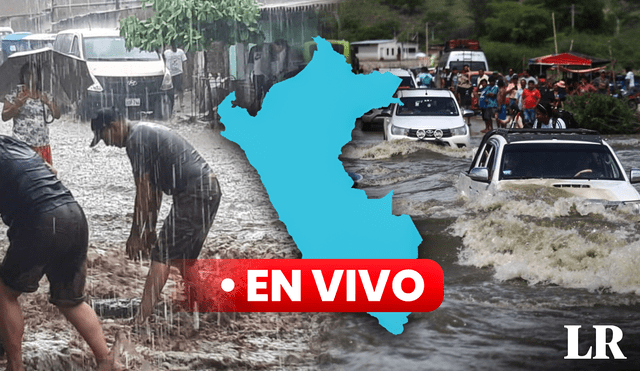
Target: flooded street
[(517, 268)]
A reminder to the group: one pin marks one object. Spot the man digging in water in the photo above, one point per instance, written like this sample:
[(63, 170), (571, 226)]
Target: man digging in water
[(162, 161), (48, 234)]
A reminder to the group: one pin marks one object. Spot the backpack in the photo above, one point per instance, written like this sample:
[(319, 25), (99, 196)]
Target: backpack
[(568, 119)]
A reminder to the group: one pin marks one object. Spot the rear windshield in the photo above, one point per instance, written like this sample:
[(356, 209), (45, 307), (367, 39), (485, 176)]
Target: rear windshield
[(112, 48), (407, 82), (559, 161), (427, 106), (473, 66)]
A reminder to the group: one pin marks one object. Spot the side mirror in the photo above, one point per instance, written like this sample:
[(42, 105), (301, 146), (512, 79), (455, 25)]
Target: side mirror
[(468, 113), (480, 174), (386, 112), (634, 176)]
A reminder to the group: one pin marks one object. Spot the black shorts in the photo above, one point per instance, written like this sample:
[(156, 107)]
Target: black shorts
[(177, 83), (465, 97), (54, 243), (188, 223), (489, 113)]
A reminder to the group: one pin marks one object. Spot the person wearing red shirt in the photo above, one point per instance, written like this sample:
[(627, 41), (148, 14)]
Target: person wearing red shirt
[(586, 87), (530, 98)]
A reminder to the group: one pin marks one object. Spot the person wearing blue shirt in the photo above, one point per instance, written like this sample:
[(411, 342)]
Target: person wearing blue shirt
[(491, 95)]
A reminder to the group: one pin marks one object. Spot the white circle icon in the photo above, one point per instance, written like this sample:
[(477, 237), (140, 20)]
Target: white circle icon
[(227, 284)]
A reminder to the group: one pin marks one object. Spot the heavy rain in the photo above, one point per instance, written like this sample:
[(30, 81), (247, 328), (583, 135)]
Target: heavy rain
[(518, 266)]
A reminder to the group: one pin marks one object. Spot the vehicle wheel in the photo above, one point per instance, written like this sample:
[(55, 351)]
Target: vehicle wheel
[(633, 105)]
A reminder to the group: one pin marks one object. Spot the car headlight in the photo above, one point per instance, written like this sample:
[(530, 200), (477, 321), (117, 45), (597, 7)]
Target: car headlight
[(462, 130), (395, 130)]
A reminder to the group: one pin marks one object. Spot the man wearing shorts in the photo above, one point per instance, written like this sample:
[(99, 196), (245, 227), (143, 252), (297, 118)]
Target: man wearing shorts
[(162, 162), (174, 58), (464, 90), (48, 235)]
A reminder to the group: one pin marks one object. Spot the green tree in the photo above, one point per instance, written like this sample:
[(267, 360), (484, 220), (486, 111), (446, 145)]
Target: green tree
[(519, 23), (588, 17), (192, 24), (404, 5), (480, 11)]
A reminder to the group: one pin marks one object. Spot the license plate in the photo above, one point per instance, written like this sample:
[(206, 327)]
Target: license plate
[(130, 102)]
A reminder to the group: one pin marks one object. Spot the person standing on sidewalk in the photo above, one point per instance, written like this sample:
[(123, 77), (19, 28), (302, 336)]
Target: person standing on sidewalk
[(162, 162), (174, 59), (48, 235)]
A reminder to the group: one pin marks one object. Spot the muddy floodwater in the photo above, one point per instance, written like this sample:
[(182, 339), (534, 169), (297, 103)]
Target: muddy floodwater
[(517, 268)]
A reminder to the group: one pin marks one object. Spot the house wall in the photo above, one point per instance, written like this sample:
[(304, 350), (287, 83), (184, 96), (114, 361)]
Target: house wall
[(367, 52)]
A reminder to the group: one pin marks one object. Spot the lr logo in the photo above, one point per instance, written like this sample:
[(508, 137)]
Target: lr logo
[(601, 342)]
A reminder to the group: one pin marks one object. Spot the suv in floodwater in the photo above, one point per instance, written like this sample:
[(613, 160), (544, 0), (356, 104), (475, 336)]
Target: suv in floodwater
[(134, 81), (429, 115), (577, 161)]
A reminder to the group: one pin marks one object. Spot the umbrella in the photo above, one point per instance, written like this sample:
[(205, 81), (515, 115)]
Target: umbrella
[(64, 77)]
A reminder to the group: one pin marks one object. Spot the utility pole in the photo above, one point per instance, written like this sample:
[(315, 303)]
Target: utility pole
[(573, 15), (427, 51), (555, 39)]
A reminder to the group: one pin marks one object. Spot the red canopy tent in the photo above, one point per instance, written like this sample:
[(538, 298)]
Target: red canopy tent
[(562, 59)]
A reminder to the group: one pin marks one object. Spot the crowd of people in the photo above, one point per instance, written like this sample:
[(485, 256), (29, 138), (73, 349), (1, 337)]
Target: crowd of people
[(514, 100)]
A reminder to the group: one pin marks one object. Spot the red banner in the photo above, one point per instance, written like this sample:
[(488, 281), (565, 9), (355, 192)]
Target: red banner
[(314, 285)]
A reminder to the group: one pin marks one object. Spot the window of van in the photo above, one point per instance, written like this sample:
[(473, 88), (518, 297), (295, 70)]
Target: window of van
[(75, 47), (112, 48), (473, 66), (63, 43)]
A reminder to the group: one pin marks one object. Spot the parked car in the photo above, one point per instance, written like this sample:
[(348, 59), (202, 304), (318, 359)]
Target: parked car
[(577, 161), (13, 42), (40, 40), (5, 31), (430, 115), (408, 80), (134, 81), (375, 115)]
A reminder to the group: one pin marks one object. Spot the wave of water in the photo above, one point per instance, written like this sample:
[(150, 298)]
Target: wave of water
[(545, 239), (386, 150)]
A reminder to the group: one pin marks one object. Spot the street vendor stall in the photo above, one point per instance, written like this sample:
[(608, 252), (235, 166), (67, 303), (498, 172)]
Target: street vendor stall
[(567, 64)]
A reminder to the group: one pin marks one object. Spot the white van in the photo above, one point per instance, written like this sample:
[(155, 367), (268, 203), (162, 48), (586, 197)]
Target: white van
[(134, 81), (457, 53)]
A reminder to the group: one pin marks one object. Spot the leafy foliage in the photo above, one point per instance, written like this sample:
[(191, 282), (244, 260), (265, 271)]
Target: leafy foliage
[(480, 11), (588, 17), (504, 55), (383, 19), (603, 113), (405, 5), (519, 23), (192, 24)]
